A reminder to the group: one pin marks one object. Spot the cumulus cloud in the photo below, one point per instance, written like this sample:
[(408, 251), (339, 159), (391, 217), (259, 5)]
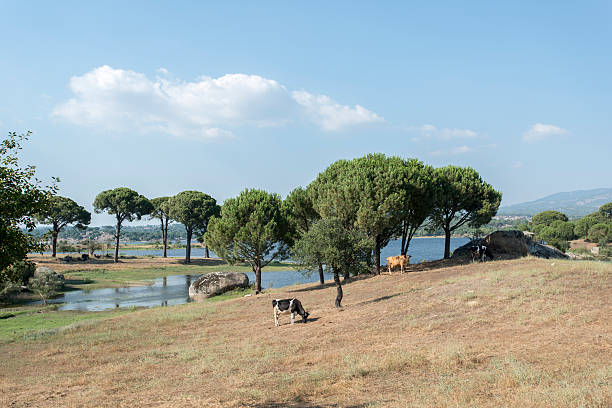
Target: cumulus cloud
[(453, 151), (330, 115), (208, 108), (541, 131), (428, 131)]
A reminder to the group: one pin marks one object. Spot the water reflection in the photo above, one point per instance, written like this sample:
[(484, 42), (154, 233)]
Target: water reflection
[(165, 291)]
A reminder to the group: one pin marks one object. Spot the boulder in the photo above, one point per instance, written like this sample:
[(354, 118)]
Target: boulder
[(48, 274), (215, 283), (509, 245)]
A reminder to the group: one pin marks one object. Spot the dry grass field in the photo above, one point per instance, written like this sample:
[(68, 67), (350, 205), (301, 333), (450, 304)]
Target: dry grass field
[(523, 333)]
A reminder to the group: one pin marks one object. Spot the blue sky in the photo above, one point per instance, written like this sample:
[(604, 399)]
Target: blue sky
[(163, 97)]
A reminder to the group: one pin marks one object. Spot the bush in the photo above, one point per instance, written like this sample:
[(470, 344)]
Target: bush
[(580, 251), (46, 282), (19, 273), (63, 246), (605, 252)]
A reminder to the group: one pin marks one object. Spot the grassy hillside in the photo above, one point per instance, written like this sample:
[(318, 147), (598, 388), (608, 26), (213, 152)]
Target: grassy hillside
[(529, 333)]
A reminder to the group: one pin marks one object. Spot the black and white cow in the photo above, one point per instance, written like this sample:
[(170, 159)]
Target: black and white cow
[(481, 252), (293, 306)]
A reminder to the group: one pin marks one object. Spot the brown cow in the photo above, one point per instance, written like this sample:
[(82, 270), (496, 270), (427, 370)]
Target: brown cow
[(399, 260)]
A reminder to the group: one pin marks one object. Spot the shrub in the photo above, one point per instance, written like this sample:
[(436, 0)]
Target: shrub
[(20, 272), (46, 282), (605, 252), (63, 246)]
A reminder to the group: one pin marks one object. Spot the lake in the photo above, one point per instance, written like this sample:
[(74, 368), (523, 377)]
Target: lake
[(174, 290), (421, 249)]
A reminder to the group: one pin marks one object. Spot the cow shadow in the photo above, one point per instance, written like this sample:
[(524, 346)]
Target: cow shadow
[(302, 405), (299, 321)]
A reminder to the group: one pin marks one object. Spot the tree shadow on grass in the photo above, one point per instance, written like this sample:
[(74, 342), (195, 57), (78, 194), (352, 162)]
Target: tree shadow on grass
[(380, 299), (332, 284), (203, 262), (68, 284)]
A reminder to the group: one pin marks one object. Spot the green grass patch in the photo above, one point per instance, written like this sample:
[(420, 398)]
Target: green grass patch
[(236, 293), (112, 278), (32, 321)]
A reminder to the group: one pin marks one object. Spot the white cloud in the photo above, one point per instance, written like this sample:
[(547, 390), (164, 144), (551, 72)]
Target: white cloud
[(540, 131), (124, 100), (430, 131), (517, 164), (330, 115), (453, 151)]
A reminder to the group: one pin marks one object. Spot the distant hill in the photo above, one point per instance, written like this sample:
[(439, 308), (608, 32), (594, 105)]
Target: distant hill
[(573, 204)]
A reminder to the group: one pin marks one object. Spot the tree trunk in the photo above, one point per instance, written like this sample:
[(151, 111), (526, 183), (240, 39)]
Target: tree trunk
[(188, 249), (347, 274), (377, 256), (447, 236), (117, 235), (257, 278), (164, 229), (206, 249), (321, 276), (338, 289), (54, 241), (404, 248)]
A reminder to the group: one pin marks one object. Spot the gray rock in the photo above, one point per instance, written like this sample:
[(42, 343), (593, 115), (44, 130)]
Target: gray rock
[(509, 245), (215, 283), (49, 274)]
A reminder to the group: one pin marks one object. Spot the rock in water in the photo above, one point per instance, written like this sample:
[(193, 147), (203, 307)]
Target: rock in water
[(509, 245), (215, 283)]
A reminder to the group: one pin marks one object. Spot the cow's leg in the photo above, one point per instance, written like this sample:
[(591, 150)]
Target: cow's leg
[(292, 317), (275, 318)]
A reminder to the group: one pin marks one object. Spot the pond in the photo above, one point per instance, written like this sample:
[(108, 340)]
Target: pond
[(167, 291), (174, 290)]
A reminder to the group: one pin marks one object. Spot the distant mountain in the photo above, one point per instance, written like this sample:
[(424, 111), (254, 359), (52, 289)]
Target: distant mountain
[(573, 204)]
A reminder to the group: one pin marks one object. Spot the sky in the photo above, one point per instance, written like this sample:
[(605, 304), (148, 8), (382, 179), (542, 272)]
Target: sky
[(163, 97)]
